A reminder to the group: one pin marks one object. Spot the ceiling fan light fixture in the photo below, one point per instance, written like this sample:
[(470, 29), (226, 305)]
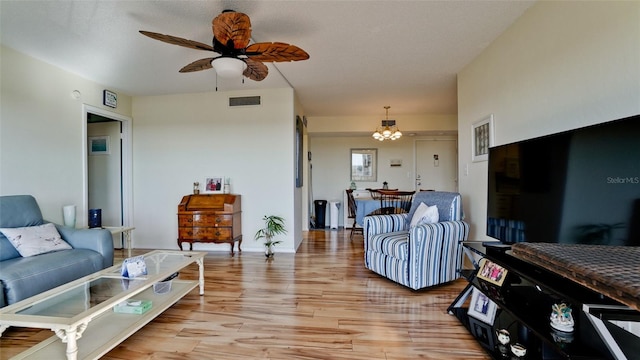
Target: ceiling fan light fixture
[(228, 67)]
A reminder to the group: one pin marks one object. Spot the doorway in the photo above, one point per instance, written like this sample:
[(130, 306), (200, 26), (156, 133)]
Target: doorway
[(436, 165), (107, 167)]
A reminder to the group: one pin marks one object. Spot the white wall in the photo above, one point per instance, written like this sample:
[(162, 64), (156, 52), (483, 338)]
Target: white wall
[(180, 139), (562, 65), (331, 162), (41, 131)]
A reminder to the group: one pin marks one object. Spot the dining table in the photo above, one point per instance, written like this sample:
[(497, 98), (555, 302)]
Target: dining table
[(365, 207)]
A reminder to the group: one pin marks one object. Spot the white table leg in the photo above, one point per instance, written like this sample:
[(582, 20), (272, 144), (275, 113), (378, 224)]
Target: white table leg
[(127, 237), (201, 268), (70, 336)]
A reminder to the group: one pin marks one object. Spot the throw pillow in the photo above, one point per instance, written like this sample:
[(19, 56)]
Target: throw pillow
[(425, 214), (35, 240)]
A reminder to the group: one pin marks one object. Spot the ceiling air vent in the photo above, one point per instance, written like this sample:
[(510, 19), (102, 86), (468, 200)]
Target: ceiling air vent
[(244, 101)]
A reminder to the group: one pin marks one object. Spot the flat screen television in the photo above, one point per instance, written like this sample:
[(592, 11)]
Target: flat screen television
[(577, 187)]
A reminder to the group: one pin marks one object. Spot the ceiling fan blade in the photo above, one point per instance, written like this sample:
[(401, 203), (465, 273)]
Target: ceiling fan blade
[(177, 41), (202, 64), (232, 29), (255, 70), (275, 52)]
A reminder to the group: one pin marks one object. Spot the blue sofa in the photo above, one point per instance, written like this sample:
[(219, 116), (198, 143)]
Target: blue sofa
[(23, 277)]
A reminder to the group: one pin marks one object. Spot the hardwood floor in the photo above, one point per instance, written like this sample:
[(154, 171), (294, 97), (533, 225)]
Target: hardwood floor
[(320, 303)]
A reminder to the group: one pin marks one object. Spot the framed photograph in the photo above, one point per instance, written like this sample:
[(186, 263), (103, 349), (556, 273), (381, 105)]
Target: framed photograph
[(213, 184), (482, 308), (99, 145), (481, 139), (364, 164), (482, 332), (491, 272), (110, 99)]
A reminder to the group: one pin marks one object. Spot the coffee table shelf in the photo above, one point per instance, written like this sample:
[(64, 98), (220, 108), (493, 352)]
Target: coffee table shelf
[(111, 328), (81, 314)]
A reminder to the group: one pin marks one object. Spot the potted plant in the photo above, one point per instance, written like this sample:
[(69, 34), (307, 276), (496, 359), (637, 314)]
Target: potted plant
[(273, 225)]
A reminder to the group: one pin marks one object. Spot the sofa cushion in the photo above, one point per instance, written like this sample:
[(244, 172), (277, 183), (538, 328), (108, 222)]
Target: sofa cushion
[(449, 204), (7, 251), (425, 214), (35, 240), (27, 276), (19, 210), (394, 244)]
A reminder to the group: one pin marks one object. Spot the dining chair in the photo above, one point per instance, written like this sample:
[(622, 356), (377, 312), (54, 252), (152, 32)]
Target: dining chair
[(395, 202), (352, 206), (375, 193)]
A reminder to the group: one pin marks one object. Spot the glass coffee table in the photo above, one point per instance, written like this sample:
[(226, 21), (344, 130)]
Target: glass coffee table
[(81, 312)]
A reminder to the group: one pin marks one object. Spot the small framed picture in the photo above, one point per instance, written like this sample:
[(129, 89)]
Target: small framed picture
[(492, 272), (481, 139), (482, 332), (99, 145), (482, 308), (214, 184), (110, 99)]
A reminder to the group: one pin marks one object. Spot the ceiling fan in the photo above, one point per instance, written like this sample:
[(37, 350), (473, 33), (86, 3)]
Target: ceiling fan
[(231, 37)]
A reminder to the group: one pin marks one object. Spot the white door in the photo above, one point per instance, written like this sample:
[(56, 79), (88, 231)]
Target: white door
[(436, 165)]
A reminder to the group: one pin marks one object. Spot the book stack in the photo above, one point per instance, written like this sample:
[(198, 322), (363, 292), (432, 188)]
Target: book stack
[(133, 307)]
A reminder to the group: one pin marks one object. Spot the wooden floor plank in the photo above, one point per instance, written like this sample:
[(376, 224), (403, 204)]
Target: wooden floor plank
[(320, 303)]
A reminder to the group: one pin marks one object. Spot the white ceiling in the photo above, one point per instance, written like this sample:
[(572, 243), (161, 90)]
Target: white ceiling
[(363, 54)]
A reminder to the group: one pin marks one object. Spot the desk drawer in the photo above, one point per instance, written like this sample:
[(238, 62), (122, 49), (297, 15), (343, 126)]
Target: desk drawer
[(204, 220), (205, 233)]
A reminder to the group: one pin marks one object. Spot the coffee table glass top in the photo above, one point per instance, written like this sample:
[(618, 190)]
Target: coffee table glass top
[(101, 290), (82, 297)]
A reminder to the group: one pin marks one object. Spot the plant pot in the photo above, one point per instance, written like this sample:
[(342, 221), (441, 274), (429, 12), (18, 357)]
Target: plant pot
[(268, 252)]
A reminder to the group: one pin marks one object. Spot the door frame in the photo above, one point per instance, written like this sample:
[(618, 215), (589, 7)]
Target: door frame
[(127, 163)]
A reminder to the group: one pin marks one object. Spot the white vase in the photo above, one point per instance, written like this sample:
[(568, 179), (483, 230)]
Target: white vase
[(69, 215)]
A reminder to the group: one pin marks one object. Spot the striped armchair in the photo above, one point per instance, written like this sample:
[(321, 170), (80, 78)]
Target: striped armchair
[(424, 255)]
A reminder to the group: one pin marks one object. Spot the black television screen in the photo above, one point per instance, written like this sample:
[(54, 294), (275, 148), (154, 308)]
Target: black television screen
[(577, 187)]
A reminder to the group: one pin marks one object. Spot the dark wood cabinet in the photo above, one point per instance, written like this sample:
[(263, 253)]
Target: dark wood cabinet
[(210, 218)]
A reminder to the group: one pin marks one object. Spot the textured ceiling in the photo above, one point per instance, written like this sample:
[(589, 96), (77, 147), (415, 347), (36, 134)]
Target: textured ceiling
[(364, 54)]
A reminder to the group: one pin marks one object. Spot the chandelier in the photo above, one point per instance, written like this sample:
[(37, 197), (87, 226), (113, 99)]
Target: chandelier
[(388, 130)]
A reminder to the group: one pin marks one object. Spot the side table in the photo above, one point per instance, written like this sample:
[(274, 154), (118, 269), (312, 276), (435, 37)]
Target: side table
[(126, 231)]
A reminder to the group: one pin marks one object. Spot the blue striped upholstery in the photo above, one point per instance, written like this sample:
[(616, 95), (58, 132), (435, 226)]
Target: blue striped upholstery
[(423, 256)]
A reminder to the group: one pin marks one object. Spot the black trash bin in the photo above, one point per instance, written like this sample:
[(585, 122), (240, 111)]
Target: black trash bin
[(321, 210)]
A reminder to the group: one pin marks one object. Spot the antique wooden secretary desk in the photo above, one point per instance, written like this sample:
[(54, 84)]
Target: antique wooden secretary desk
[(210, 218)]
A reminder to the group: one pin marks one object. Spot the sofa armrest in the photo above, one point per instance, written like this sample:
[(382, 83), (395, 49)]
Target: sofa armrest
[(436, 252), (379, 224), (456, 230), (98, 240)]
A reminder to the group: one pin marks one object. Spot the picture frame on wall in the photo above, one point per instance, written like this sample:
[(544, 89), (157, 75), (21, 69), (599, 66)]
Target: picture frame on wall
[(481, 307), (110, 99), (364, 165), (213, 184), (481, 138), (299, 155), (99, 145)]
